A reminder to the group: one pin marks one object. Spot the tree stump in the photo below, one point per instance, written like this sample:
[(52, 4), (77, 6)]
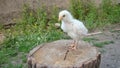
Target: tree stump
[(57, 55)]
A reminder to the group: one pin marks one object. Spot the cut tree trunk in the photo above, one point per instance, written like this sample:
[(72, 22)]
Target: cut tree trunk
[(58, 55)]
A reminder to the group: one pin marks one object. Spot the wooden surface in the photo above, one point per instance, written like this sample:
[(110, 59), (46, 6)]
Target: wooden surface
[(52, 55)]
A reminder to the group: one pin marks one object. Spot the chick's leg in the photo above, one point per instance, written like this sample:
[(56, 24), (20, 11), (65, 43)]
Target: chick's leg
[(75, 45)]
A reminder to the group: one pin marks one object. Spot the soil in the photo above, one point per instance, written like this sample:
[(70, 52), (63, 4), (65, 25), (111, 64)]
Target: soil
[(11, 9), (110, 53)]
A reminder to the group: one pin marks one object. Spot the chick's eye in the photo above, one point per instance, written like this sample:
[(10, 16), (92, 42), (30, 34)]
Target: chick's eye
[(63, 15)]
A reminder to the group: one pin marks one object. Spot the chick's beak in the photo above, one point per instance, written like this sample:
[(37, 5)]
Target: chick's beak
[(60, 18)]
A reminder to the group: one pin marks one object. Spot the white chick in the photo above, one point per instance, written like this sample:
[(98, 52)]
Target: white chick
[(73, 27)]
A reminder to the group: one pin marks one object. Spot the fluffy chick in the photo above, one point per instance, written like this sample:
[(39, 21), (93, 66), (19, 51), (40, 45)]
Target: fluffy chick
[(73, 27)]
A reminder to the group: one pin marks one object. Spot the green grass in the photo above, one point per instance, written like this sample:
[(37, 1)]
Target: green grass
[(14, 66), (24, 42), (31, 30), (113, 31), (95, 42), (90, 39), (101, 44), (94, 17), (35, 27)]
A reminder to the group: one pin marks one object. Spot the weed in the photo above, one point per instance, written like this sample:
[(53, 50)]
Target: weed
[(14, 66), (94, 17), (101, 44), (31, 30), (90, 39), (95, 42)]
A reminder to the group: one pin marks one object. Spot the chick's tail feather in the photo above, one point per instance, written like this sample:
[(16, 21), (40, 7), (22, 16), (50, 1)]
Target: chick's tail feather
[(89, 34)]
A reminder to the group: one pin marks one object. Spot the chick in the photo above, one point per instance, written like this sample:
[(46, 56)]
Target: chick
[(73, 27)]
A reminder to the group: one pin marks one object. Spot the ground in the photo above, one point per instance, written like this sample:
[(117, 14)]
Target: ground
[(110, 53)]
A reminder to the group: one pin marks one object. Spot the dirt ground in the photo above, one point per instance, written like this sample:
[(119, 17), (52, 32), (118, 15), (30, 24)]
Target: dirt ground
[(11, 9), (110, 53)]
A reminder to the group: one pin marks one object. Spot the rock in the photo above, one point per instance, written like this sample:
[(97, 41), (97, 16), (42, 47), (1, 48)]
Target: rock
[(57, 25)]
